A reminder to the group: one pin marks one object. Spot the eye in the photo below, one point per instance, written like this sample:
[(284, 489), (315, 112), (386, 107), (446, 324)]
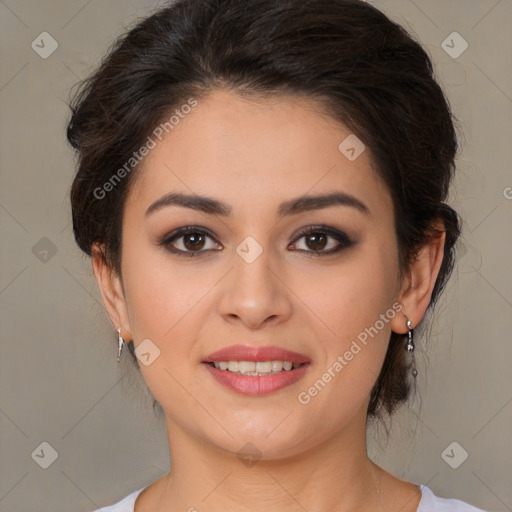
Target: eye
[(190, 241), (322, 240)]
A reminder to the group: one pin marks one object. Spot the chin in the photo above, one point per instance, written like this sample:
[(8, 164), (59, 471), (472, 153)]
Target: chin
[(261, 442)]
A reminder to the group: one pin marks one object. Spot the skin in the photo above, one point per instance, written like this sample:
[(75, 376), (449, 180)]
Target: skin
[(253, 155)]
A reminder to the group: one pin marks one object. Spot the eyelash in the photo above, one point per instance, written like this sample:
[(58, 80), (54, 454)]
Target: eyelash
[(341, 237)]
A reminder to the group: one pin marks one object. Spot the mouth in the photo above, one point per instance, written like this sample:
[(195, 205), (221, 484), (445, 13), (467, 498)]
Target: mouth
[(256, 370)]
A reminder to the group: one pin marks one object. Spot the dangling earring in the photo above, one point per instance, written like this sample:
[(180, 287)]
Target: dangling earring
[(410, 347), (120, 343)]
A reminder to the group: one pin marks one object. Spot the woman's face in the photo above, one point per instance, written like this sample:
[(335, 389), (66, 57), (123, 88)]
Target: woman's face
[(254, 279)]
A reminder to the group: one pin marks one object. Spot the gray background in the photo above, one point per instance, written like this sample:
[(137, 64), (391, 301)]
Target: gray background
[(59, 383)]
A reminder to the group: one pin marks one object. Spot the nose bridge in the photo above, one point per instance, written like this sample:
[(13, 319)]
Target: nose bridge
[(252, 277), (253, 293), (252, 268)]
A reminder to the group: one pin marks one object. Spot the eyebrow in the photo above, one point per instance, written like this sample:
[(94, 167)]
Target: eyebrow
[(292, 207)]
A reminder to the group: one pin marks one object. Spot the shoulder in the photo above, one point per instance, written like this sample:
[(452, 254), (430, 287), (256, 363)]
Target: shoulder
[(125, 505), (430, 503)]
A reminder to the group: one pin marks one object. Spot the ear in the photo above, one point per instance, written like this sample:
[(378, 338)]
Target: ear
[(112, 293), (418, 285)]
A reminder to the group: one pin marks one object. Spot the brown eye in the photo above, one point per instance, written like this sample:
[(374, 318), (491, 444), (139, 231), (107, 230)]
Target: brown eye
[(316, 241), (321, 240), (193, 241), (190, 241)]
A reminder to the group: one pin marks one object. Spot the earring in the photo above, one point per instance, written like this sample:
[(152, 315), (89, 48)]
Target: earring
[(410, 347), (120, 343)]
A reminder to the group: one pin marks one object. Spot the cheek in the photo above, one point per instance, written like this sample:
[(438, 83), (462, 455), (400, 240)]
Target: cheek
[(160, 292), (355, 301), (350, 296), (164, 303)]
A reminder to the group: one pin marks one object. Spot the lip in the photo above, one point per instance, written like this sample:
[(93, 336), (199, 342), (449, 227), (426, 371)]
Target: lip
[(253, 385), (248, 353)]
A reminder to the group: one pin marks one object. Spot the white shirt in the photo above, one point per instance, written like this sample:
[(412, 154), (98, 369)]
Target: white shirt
[(429, 503)]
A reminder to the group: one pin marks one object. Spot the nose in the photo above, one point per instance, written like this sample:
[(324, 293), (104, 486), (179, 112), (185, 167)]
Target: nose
[(254, 296)]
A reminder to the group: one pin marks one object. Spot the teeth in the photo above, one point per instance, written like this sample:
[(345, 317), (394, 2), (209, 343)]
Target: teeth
[(246, 367), (233, 366), (264, 367), (277, 366), (259, 368)]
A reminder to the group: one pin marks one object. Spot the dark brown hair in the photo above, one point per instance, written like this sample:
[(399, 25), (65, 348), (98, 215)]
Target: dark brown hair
[(370, 74)]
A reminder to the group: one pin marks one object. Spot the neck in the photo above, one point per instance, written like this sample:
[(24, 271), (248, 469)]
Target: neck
[(335, 475)]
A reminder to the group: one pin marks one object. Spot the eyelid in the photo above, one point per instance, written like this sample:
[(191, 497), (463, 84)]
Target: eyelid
[(183, 231), (341, 237), (322, 228)]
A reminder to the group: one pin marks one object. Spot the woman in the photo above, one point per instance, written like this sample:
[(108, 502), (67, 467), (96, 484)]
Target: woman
[(261, 188)]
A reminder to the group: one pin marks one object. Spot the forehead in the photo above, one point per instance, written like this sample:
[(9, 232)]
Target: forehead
[(257, 150)]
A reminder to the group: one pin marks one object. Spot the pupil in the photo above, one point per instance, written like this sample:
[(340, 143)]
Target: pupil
[(318, 241), (196, 241)]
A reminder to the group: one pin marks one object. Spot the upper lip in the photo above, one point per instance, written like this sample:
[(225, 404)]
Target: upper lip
[(248, 353)]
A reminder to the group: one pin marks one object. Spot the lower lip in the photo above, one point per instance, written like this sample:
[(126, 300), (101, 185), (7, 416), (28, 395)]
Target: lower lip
[(254, 385)]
